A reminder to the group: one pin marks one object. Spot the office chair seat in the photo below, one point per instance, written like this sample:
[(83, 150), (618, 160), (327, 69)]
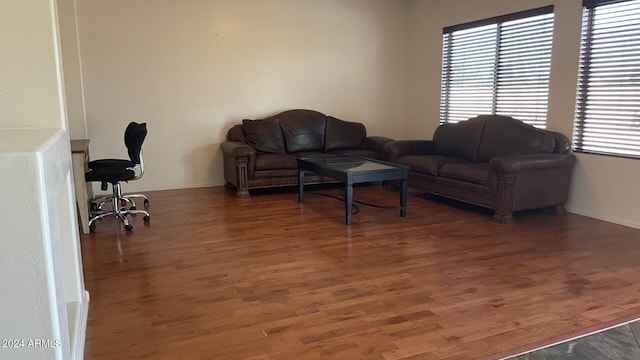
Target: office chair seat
[(105, 163), (110, 175), (98, 202)]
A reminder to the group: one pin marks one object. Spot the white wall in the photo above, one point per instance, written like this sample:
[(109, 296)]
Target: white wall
[(191, 69), (28, 66), (602, 187), (70, 52)]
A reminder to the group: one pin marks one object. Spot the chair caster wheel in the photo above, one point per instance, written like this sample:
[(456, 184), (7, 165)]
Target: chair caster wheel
[(132, 208), (146, 218), (146, 202), (92, 227), (128, 227)]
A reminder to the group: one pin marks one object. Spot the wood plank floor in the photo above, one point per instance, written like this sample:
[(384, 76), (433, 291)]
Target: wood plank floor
[(215, 277)]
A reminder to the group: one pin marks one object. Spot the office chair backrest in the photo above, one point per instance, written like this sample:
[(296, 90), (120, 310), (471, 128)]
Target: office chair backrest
[(133, 138)]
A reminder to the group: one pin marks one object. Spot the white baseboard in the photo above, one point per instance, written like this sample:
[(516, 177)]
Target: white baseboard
[(603, 218)]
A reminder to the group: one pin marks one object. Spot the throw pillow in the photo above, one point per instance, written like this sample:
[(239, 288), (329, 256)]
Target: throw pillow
[(342, 134), (264, 135)]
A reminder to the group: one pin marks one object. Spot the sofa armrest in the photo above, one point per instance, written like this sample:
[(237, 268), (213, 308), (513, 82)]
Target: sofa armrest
[(393, 150), (375, 143), (531, 181), (237, 149), (518, 163), (239, 165)]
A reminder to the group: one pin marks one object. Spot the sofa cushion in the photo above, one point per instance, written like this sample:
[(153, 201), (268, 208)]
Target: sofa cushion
[(358, 152), (275, 161), (340, 134), (309, 154), (477, 173), (505, 136), (459, 140), (427, 164), (264, 135), (303, 130)]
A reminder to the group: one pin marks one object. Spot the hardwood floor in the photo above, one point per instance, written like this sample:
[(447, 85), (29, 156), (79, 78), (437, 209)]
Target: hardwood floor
[(215, 277)]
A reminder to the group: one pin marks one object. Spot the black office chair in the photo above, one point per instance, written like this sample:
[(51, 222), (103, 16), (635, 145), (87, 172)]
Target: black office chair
[(135, 159), (121, 170)]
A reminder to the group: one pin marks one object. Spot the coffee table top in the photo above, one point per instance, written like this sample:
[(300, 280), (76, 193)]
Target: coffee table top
[(350, 164)]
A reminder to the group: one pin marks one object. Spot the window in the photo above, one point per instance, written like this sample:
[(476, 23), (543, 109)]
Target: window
[(498, 66), (607, 117)]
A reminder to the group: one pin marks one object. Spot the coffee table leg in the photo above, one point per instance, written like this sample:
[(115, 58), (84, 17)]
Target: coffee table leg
[(403, 197), (300, 184), (348, 201)]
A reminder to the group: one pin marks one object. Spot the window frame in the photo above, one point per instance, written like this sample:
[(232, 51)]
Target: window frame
[(447, 73), (584, 85)]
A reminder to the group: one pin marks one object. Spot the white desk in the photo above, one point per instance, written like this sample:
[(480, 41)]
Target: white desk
[(83, 190)]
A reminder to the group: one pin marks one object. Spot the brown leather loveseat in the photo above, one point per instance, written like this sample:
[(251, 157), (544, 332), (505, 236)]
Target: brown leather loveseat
[(262, 153), (492, 161)]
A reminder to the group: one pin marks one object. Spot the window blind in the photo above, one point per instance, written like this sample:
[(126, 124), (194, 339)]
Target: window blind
[(498, 66), (607, 119)]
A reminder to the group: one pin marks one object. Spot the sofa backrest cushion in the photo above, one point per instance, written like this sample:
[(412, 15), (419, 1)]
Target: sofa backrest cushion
[(505, 136), (264, 135), (303, 130), (340, 134), (460, 140)]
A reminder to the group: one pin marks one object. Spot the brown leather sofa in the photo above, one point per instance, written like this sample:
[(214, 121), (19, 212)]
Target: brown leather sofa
[(493, 161), (262, 153)]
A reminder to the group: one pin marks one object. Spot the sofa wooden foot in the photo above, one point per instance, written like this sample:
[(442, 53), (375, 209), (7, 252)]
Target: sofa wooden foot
[(242, 194), (503, 218)]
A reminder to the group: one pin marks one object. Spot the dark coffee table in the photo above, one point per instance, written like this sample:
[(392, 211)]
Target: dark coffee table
[(353, 170)]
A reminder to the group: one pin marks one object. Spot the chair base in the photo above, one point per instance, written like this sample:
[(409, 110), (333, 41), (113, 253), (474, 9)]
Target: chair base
[(116, 210), (98, 202)]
